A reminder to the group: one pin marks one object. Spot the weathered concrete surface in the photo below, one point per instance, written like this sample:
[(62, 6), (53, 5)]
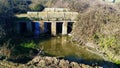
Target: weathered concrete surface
[(53, 15)]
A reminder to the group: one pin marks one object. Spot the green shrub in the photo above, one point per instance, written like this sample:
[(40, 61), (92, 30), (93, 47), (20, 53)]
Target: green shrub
[(107, 41), (30, 44)]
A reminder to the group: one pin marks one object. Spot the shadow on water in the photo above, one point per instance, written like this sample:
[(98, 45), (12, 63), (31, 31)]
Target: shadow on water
[(60, 47), (20, 49), (93, 62)]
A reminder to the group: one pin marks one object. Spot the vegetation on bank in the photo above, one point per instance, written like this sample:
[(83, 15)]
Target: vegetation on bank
[(99, 24)]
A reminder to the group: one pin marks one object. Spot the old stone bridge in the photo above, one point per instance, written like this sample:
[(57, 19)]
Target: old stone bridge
[(51, 21)]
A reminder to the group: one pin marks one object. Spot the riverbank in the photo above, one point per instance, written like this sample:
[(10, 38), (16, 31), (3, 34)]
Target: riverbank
[(46, 62), (62, 52)]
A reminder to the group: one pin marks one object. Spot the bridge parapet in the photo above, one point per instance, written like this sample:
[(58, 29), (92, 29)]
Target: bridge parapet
[(58, 16)]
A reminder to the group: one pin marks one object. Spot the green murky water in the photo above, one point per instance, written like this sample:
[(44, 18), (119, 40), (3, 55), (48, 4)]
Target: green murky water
[(62, 47)]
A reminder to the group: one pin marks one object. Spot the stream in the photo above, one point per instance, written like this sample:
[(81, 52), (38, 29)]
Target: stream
[(61, 46)]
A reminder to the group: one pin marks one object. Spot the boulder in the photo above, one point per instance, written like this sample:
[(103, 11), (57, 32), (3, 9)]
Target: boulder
[(41, 63), (74, 65), (63, 64), (55, 61), (48, 60)]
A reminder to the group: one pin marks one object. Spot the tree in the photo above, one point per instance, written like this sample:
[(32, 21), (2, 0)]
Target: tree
[(19, 6), (6, 16)]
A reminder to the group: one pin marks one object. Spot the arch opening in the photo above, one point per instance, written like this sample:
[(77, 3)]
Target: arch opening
[(69, 27), (23, 27), (47, 28), (59, 27), (36, 28)]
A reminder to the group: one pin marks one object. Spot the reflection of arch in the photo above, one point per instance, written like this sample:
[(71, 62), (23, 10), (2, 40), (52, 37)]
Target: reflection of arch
[(114, 1), (69, 27), (64, 41)]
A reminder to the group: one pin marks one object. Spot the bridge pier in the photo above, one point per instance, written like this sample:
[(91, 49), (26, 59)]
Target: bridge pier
[(64, 28), (42, 26), (53, 28)]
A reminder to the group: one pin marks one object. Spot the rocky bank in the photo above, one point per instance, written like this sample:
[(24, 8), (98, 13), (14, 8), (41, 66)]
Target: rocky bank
[(45, 62)]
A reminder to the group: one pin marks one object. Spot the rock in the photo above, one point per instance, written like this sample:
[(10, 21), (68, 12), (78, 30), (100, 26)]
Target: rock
[(37, 59), (34, 60), (86, 66), (63, 64), (48, 60), (74, 65), (23, 66), (32, 66), (45, 62), (55, 61), (53, 66), (41, 63)]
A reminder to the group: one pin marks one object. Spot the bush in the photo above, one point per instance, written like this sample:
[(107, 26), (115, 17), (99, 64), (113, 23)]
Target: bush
[(30, 44), (107, 42), (96, 20), (99, 24), (79, 5), (37, 7)]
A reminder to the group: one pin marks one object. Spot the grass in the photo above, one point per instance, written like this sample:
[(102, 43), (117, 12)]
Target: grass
[(30, 44)]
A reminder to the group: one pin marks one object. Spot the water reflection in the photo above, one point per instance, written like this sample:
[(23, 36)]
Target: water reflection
[(62, 47)]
